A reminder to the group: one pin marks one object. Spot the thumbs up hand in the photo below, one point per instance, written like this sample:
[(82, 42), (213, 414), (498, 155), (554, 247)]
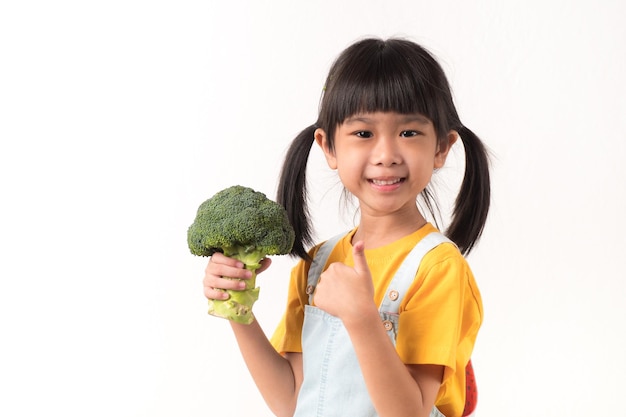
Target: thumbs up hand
[(344, 291)]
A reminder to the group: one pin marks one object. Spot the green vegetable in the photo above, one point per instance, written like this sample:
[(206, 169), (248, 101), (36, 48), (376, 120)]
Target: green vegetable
[(243, 224)]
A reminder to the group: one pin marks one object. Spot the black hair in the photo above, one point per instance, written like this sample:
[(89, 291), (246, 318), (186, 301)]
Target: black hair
[(393, 75)]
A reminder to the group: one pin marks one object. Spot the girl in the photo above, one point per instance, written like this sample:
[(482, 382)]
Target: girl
[(380, 321)]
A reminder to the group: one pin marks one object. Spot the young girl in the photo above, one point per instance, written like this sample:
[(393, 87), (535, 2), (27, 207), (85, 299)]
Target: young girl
[(382, 320)]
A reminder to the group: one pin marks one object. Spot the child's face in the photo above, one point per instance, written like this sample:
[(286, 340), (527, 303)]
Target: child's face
[(385, 159)]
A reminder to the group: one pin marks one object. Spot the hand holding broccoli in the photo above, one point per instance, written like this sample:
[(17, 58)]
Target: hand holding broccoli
[(244, 225)]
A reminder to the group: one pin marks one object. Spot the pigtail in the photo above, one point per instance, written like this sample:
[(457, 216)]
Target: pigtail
[(472, 204), (292, 190)]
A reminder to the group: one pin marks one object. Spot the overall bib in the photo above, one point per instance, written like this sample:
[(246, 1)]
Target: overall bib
[(333, 383)]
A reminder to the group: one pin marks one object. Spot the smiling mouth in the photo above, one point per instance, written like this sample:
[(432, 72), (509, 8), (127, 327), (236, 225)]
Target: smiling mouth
[(386, 182)]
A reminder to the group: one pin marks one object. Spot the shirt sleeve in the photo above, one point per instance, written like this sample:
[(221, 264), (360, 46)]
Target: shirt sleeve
[(441, 314)]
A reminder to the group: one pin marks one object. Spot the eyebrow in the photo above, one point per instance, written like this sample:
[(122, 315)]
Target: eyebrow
[(406, 118)]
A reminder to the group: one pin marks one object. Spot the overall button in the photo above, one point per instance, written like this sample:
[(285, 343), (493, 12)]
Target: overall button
[(393, 295), (388, 325)]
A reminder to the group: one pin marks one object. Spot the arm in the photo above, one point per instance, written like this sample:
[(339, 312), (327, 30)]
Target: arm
[(278, 378), (395, 388)]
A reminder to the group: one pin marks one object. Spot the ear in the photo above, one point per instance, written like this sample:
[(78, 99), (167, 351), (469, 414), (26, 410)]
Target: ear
[(322, 140), (444, 148)]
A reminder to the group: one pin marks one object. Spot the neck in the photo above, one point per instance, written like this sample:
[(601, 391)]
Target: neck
[(380, 231)]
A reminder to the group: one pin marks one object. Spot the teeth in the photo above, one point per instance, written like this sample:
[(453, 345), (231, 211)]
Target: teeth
[(386, 182)]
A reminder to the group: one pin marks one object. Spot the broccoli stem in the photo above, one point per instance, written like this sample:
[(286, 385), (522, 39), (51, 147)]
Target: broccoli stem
[(238, 307)]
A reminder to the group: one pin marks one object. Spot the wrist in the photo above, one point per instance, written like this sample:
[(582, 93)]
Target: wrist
[(362, 318)]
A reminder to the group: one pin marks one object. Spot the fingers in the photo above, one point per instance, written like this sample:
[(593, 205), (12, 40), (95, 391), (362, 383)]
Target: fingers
[(215, 294), (223, 266), (223, 273), (358, 253), (221, 259), (265, 263)]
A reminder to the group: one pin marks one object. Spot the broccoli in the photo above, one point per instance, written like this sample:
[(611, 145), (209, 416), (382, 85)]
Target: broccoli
[(243, 224)]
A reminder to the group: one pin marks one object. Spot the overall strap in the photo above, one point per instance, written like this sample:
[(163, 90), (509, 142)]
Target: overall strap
[(317, 265), (400, 283), (405, 275)]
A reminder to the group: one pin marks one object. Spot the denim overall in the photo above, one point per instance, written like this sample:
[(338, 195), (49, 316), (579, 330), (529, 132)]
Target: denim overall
[(333, 383)]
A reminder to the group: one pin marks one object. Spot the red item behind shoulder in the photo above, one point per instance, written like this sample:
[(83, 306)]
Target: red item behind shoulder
[(471, 390)]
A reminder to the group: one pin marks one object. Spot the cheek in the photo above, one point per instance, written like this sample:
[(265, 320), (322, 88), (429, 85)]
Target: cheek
[(345, 160), (349, 171), (423, 169)]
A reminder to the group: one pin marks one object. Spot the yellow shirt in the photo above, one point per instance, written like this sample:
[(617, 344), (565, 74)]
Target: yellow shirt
[(439, 316)]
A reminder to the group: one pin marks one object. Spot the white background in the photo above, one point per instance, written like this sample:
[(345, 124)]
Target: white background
[(118, 118)]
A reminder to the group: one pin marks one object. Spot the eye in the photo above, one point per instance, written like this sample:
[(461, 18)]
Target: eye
[(410, 133), (364, 134)]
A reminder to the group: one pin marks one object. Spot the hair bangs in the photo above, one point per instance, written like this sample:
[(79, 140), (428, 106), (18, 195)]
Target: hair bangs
[(381, 77)]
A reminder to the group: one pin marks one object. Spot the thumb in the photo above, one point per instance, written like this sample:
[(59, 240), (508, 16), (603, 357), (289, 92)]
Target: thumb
[(265, 263), (358, 253)]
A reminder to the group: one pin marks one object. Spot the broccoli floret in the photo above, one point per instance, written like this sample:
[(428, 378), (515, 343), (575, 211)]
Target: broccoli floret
[(243, 224)]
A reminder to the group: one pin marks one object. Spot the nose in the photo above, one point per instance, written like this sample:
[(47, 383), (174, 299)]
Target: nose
[(386, 152)]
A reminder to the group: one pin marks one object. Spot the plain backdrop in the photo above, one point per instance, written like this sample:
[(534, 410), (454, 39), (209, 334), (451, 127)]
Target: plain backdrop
[(118, 118)]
